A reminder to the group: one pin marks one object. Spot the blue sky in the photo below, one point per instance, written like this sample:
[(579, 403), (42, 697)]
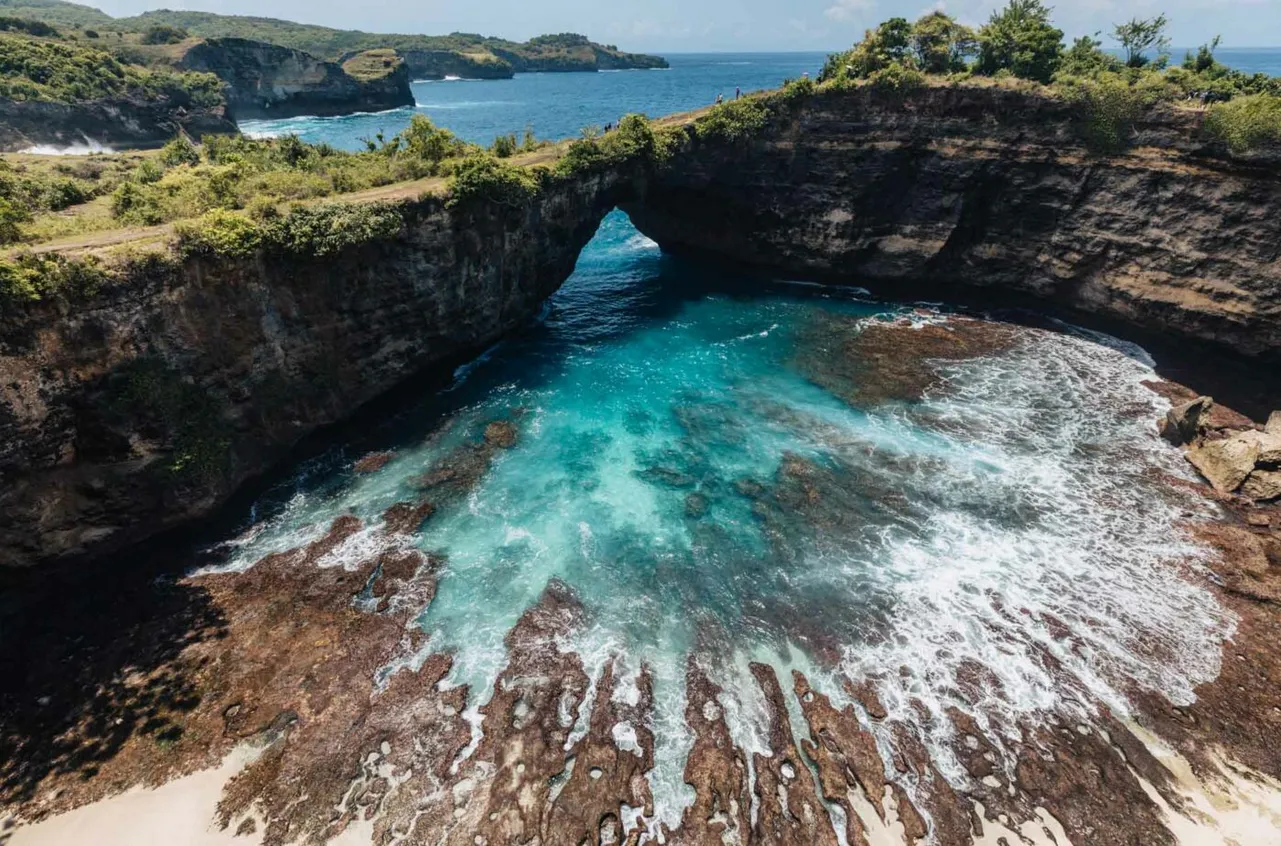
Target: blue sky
[(693, 25)]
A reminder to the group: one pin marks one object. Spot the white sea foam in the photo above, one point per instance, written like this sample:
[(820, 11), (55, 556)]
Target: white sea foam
[(85, 148)]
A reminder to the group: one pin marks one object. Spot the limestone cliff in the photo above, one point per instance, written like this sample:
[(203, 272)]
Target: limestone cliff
[(962, 190), (266, 80), (151, 402)]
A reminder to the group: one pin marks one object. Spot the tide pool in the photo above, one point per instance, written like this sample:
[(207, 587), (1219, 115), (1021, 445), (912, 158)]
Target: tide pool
[(681, 467)]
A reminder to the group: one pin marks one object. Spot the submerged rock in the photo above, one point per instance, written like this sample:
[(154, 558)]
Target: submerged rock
[(696, 506), (501, 433)]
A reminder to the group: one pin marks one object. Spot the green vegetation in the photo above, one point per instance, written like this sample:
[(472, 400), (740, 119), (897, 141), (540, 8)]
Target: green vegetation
[(36, 28), (481, 177), (307, 231), (58, 13), (158, 402), (58, 72), (30, 278), (1246, 122), (489, 56), (163, 34), (372, 64), (1019, 41)]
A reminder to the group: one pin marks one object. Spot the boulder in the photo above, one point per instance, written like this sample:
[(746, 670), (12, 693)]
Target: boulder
[(1274, 424), (1184, 423), (1263, 485), (1269, 445), (1226, 464)]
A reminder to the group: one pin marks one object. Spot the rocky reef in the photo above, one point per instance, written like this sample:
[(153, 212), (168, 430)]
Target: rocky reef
[(266, 80), (981, 191)]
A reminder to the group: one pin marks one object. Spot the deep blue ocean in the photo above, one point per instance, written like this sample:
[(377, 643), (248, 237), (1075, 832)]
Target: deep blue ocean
[(682, 468), (557, 106)]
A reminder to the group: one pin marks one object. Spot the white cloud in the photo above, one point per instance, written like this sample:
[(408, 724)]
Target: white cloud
[(848, 10)]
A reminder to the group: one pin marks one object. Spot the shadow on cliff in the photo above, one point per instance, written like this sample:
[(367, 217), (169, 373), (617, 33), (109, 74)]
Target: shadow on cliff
[(88, 660)]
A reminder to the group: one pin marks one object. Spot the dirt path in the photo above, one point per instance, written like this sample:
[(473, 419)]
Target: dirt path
[(546, 156)]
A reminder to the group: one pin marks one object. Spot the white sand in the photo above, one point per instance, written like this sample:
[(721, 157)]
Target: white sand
[(1239, 808)]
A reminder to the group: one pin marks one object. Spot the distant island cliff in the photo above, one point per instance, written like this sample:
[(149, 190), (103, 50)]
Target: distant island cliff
[(466, 55)]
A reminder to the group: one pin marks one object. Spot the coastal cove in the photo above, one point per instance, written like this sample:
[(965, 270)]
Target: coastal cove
[(835, 465)]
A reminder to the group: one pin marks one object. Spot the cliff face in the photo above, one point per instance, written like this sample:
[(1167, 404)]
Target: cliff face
[(118, 122), (957, 190), (438, 64), (265, 80), (111, 411)]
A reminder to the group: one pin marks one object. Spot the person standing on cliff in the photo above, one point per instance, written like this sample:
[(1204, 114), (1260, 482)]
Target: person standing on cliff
[(738, 92), (720, 98)]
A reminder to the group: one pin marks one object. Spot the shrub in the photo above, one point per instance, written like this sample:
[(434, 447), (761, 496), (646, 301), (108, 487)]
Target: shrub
[(179, 151), (219, 233), (483, 178), (12, 216), (1246, 122), (504, 146), (163, 34), (325, 230), (424, 140), (1108, 107), (30, 278), (898, 79), (130, 203), (149, 171), (735, 120)]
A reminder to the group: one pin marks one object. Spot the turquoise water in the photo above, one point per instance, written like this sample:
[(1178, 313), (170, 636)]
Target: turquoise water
[(558, 105), (963, 529), (681, 468)]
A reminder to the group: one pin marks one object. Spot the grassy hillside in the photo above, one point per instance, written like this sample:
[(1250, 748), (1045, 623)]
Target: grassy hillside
[(551, 52), (50, 70)]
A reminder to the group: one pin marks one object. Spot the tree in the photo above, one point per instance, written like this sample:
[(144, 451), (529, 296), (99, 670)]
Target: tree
[(1021, 40), (1138, 36), (940, 44), (890, 43), (1085, 58), (1204, 59)]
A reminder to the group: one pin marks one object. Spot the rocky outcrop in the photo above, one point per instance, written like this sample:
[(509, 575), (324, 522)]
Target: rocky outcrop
[(151, 404), (981, 191), (439, 64), (266, 80), (111, 123)]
